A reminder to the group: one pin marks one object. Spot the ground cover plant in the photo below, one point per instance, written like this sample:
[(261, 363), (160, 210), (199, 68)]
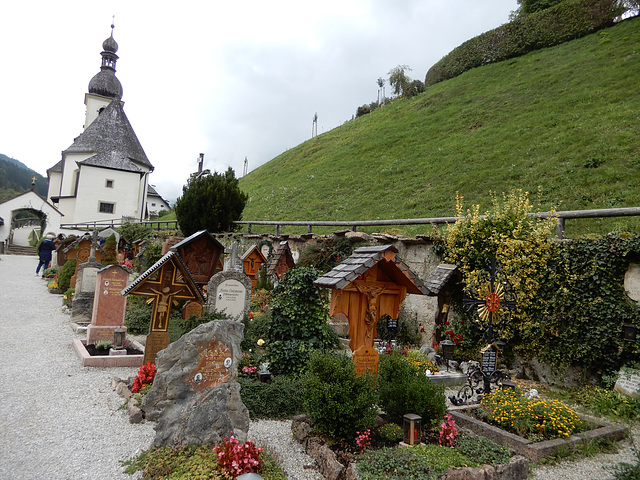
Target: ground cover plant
[(278, 399), (540, 120), (532, 418)]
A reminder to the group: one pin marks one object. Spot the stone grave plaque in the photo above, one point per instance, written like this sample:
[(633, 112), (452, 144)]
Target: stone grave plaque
[(108, 305), (156, 341), (392, 328), (489, 361), (213, 367), (230, 293), (191, 308), (628, 382), (365, 360)]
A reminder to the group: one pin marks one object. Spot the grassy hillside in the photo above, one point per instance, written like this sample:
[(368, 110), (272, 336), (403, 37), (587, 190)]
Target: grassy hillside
[(561, 123), (16, 178)]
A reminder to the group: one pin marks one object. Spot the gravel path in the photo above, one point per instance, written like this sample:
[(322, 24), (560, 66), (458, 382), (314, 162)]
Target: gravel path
[(59, 420)]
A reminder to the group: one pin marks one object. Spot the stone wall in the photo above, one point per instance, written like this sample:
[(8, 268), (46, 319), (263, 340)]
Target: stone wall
[(416, 252)]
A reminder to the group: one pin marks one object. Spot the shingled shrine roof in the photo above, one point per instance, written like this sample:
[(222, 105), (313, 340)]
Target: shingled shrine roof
[(365, 258), (194, 236), (282, 253), (171, 256), (441, 276)]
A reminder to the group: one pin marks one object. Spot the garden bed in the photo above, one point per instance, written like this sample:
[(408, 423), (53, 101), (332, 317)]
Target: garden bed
[(536, 451), (88, 360)]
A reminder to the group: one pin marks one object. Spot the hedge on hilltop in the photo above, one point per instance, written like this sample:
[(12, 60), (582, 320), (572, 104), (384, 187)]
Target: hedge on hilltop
[(566, 21)]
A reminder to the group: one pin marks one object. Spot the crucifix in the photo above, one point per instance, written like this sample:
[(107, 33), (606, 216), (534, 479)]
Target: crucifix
[(235, 264), (164, 283)]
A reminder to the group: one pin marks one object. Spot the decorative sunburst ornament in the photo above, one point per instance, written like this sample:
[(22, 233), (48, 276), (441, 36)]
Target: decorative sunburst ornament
[(490, 299)]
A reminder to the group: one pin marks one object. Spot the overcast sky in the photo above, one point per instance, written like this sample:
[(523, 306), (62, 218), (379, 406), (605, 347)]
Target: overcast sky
[(227, 79)]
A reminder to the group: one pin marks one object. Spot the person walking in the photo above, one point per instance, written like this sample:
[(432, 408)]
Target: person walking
[(44, 252)]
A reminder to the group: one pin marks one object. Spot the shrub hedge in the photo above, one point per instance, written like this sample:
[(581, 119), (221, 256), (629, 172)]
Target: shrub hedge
[(279, 398), (66, 272), (566, 21)]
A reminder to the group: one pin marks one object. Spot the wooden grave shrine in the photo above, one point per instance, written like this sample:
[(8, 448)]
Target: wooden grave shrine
[(164, 282), (252, 261), (444, 281), (371, 283), (200, 252), (280, 263)]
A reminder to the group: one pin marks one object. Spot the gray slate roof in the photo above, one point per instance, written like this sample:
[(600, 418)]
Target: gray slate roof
[(109, 132), (113, 160), (441, 276), (365, 258)]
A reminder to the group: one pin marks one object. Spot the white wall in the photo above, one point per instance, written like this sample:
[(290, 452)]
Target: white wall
[(28, 200)]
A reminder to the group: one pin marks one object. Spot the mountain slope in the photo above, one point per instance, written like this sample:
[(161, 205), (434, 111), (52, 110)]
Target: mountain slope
[(16, 177), (561, 123)]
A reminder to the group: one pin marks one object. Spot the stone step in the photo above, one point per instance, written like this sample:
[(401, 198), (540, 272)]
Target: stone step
[(21, 250)]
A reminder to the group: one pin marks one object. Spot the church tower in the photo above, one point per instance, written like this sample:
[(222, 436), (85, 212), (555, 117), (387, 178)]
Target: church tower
[(104, 174), (104, 87)]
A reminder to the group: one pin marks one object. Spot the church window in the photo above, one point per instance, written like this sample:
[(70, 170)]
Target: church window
[(106, 207), (153, 204), (109, 183)]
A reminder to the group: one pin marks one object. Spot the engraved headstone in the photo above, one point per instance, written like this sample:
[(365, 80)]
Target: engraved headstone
[(230, 293), (108, 305), (195, 397), (628, 382), (191, 308), (489, 360)]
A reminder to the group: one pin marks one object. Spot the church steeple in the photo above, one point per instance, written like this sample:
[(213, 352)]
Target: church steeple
[(105, 83), (104, 87)]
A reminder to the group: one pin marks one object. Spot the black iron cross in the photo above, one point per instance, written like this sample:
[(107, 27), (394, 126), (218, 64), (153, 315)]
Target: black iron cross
[(490, 299)]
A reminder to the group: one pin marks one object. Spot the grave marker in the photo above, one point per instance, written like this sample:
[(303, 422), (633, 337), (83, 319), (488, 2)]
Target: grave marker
[(229, 292), (628, 382), (165, 282), (200, 252), (191, 308), (108, 305), (365, 360)]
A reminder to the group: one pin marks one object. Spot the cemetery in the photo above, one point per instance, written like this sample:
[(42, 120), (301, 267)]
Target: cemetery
[(444, 356)]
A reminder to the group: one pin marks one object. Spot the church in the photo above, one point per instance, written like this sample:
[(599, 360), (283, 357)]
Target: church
[(104, 174)]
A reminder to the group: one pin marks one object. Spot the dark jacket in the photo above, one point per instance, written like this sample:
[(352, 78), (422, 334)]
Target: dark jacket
[(45, 248)]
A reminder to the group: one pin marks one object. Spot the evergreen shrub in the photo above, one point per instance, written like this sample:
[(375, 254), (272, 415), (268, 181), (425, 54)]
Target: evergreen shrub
[(138, 315), (404, 389), (66, 272), (280, 398), (339, 402), (565, 21)]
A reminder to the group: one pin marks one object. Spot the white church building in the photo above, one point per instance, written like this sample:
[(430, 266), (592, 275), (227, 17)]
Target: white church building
[(104, 174)]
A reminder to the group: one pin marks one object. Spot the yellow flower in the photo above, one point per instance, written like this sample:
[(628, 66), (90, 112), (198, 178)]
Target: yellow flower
[(260, 342)]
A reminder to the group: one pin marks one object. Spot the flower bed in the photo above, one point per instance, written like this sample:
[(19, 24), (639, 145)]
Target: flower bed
[(535, 451)]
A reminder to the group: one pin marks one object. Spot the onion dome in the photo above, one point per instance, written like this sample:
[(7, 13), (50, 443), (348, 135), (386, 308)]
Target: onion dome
[(105, 82)]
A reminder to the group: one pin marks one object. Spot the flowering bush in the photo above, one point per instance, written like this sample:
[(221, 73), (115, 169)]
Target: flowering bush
[(249, 369), (54, 283), (363, 439), (533, 417), (448, 432), (67, 298), (390, 432), (127, 265), (236, 458), (420, 361), (145, 376), (260, 300)]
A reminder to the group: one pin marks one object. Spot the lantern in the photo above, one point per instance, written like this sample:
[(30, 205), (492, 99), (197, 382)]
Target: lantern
[(119, 335), (411, 427), (249, 476), (629, 332)]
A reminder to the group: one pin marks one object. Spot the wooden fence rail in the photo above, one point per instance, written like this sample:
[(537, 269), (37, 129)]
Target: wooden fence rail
[(353, 225)]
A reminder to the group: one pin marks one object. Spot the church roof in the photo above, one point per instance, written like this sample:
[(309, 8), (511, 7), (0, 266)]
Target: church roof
[(113, 160), (57, 168), (111, 132)]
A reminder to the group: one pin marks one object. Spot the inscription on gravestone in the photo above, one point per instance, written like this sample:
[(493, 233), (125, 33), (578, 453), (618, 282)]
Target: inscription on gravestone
[(628, 383), (230, 293), (365, 360), (212, 369), (489, 361)]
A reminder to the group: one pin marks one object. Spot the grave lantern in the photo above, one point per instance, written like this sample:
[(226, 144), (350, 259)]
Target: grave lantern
[(118, 338), (448, 348), (411, 426), (629, 332), (249, 476)]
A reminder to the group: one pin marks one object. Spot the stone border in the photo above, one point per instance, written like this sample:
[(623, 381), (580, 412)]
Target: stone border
[(538, 450), (331, 469), (107, 360)]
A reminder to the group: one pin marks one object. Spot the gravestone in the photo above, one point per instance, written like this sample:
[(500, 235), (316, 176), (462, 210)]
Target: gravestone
[(632, 282), (85, 284), (252, 261), (195, 397), (229, 292), (489, 360), (191, 308), (628, 382), (108, 305)]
